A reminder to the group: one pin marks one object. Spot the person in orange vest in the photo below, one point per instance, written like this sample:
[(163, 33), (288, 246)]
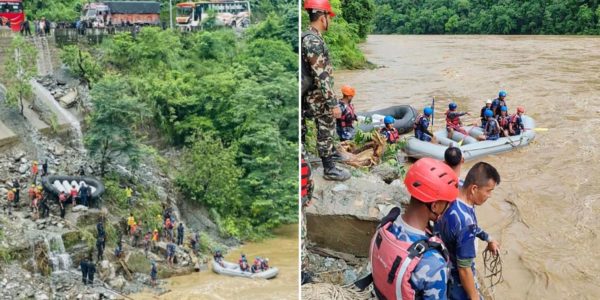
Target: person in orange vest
[(32, 195), (155, 239), (34, 170), (74, 193), (10, 196)]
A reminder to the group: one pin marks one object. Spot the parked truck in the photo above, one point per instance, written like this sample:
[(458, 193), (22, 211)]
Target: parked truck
[(191, 15), (102, 14)]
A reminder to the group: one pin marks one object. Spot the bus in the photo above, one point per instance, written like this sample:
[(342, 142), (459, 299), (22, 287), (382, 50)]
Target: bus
[(190, 15), (11, 12)]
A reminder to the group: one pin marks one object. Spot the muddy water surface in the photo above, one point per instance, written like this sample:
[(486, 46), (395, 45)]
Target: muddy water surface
[(546, 211), (282, 252)]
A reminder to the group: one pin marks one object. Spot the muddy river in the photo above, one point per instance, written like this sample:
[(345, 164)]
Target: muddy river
[(282, 251), (545, 212)]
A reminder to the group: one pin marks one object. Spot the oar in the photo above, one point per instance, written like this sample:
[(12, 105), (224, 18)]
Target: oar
[(432, 112), (538, 129), (468, 134)]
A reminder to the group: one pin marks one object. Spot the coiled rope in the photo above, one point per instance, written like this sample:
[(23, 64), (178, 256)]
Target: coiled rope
[(318, 291), (492, 268)]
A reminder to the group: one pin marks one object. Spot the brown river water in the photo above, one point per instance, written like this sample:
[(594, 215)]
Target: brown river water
[(545, 211), (282, 251)]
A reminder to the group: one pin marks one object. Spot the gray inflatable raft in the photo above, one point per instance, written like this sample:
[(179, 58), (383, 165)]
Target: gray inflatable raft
[(471, 147), (56, 184), (232, 269), (405, 116)]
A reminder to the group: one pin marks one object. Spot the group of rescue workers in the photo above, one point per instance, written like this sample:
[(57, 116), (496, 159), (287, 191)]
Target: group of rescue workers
[(258, 266), (428, 251)]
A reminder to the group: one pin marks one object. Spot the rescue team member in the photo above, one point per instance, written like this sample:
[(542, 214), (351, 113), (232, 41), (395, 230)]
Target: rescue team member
[(422, 124), (458, 228), (488, 105), (499, 102), (453, 122), (515, 127), (491, 131), (503, 121), (319, 101), (389, 131), (406, 259), (344, 127)]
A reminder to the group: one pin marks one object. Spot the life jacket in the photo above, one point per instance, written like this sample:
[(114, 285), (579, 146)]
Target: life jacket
[(168, 224), (515, 119), (31, 192), (130, 221), (34, 169), (73, 192), (264, 266), (305, 179), (348, 115), (495, 130), (503, 121), (392, 134), (62, 197), (155, 236), (393, 261), (452, 122)]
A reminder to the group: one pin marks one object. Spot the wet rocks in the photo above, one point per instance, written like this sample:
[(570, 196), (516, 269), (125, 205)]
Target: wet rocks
[(68, 99)]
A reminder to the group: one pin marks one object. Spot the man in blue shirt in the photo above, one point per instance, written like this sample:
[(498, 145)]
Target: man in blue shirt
[(458, 228), (422, 124)]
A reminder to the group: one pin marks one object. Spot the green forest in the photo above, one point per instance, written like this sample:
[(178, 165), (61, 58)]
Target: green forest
[(228, 100), (487, 17)]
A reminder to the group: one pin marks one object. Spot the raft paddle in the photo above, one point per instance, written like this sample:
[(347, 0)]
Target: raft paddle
[(432, 112), (538, 129)]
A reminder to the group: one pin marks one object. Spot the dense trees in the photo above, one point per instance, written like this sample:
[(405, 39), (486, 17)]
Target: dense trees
[(487, 17), (23, 66), (229, 101)]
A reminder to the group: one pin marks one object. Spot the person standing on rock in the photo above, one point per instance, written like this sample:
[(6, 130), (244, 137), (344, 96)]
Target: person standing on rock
[(344, 124), (170, 252), (84, 270), (319, 101), (100, 248), (73, 194), (406, 258), (306, 194), (45, 168), (91, 270), (129, 194), (153, 274), (32, 195), (62, 206), (458, 229), (180, 234), (34, 171), (17, 186), (83, 194), (130, 223), (147, 242), (43, 203), (10, 198)]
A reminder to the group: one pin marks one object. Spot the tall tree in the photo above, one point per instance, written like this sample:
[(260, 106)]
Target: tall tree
[(21, 70)]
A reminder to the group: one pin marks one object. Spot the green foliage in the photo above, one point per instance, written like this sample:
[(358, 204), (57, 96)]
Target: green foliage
[(111, 128), (55, 10), (359, 13), (82, 64), (485, 17), (22, 68)]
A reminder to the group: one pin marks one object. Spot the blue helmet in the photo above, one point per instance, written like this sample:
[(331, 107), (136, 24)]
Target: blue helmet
[(452, 106), (388, 120), (503, 108), (428, 111), (488, 113), (502, 93)]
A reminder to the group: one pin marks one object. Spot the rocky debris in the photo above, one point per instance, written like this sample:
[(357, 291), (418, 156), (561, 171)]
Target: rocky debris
[(79, 208), (345, 214), (69, 99), (335, 270), (386, 172)]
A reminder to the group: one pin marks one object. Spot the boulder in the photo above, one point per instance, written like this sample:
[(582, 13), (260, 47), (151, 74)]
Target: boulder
[(23, 169), (344, 215), (80, 208), (117, 283), (69, 99)]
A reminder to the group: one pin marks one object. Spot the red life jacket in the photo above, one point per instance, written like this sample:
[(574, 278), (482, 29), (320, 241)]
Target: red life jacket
[(452, 122), (392, 134), (503, 121), (305, 178), (62, 197), (348, 115), (73, 192), (393, 262)]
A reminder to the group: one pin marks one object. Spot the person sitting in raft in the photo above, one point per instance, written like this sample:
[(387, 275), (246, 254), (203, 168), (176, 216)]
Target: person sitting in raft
[(491, 132), (344, 127), (243, 262), (422, 124), (389, 131), (488, 105), (256, 266), (498, 103), (503, 121), (515, 126), (218, 257), (264, 265), (453, 122)]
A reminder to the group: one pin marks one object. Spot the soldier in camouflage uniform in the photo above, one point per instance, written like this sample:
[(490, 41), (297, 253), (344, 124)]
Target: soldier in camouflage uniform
[(319, 101)]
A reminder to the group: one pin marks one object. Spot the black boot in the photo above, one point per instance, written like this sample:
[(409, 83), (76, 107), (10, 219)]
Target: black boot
[(331, 172)]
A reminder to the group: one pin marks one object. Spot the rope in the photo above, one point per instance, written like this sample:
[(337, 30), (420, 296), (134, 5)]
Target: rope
[(317, 291), (492, 265)]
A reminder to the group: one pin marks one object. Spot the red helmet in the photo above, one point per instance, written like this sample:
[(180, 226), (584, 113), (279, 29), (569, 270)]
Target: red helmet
[(319, 5), (520, 109), (430, 180)]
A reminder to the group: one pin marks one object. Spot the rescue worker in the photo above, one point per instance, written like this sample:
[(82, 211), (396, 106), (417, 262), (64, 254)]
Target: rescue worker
[(306, 194), (458, 228), (243, 262), (488, 105), (10, 198), (180, 230), (170, 252), (100, 248), (17, 188), (491, 132), (129, 194), (155, 239), (45, 168), (130, 223), (422, 126), (119, 249), (454, 159), (73, 194), (84, 270), (147, 242), (453, 122), (256, 265), (499, 102), (91, 270), (319, 101), (264, 265), (32, 192), (503, 121), (406, 258), (83, 194), (515, 126), (153, 273), (34, 170), (62, 202), (389, 131), (43, 203), (218, 257), (345, 129)]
